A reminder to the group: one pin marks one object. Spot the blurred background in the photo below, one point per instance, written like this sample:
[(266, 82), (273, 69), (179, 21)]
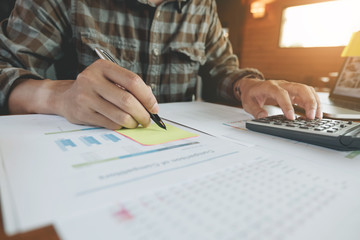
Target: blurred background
[(297, 40)]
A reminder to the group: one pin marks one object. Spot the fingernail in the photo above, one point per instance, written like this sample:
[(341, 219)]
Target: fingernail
[(312, 113), (262, 115), (155, 108), (320, 115), (290, 115)]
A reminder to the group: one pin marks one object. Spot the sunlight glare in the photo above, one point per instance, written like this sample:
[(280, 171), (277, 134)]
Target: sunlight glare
[(320, 24)]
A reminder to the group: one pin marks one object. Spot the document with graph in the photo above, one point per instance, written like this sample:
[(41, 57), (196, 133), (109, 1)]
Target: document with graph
[(206, 178), (271, 197), (53, 168)]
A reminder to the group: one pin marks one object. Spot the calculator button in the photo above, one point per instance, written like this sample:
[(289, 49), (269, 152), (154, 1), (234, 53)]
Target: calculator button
[(261, 120), (325, 132)]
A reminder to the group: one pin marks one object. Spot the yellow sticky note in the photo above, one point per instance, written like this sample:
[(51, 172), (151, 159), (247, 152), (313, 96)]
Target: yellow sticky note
[(154, 135), (353, 48)]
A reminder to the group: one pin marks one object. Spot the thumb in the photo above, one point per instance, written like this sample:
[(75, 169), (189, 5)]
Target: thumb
[(255, 110)]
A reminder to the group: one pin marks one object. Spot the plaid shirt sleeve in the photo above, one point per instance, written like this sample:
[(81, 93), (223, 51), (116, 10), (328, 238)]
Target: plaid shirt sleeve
[(222, 67), (30, 42)]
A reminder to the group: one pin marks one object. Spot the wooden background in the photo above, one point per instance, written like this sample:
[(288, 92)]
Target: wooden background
[(256, 42)]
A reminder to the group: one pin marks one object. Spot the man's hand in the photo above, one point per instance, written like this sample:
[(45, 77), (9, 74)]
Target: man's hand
[(104, 94), (256, 93)]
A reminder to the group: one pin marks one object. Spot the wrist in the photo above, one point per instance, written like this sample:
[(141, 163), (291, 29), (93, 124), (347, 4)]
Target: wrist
[(37, 96), (242, 84), (54, 93)]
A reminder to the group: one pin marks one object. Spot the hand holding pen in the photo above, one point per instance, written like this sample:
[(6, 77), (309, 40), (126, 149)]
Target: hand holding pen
[(106, 56), (93, 99)]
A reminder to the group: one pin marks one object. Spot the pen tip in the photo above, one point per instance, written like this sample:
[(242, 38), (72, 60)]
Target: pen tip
[(163, 125)]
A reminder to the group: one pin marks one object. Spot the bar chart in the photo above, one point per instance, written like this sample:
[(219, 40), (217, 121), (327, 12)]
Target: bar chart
[(111, 137), (64, 144), (74, 142), (89, 140)]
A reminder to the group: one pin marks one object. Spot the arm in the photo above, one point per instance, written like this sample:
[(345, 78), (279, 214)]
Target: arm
[(34, 39), (247, 85), (30, 42), (90, 99)]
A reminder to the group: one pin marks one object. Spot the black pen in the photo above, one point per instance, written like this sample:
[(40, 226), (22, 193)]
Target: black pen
[(104, 55)]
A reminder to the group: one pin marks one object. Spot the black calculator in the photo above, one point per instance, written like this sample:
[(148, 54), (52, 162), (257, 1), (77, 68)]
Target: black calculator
[(330, 133)]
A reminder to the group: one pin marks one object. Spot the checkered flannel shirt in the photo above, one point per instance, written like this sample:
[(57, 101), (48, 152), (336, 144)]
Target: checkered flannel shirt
[(168, 46)]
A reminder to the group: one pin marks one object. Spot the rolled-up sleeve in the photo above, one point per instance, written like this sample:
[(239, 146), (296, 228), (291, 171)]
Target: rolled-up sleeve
[(222, 66), (30, 42)]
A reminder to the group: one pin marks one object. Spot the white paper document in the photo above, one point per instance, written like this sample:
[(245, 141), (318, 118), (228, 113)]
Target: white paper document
[(229, 123), (265, 198), (54, 168), (225, 183), (7, 207)]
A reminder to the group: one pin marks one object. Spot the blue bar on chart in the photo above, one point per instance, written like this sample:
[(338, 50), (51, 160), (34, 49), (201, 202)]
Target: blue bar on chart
[(111, 137), (65, 143), (89, 140)]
